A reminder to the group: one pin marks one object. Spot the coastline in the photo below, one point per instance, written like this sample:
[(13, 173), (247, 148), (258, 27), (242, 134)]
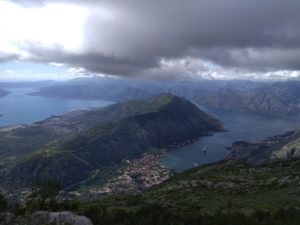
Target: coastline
[(134, 175), (131, 176)]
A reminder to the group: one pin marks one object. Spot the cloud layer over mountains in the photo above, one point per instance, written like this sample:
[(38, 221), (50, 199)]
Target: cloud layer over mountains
[(158, 38)]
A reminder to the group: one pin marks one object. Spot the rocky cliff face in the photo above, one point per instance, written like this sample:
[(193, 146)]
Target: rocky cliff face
[(280, 147), (168, 120), (275, 99)]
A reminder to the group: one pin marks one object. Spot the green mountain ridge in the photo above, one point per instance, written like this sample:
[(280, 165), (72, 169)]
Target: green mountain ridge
[(20, 140), (165, 120)]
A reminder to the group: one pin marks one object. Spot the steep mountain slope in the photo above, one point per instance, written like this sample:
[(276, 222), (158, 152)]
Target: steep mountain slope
[(166, 120), (277, 148), (282, 98), (17, 141)]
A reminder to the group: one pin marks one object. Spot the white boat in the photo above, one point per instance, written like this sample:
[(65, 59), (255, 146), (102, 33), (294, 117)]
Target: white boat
[(204, 149)]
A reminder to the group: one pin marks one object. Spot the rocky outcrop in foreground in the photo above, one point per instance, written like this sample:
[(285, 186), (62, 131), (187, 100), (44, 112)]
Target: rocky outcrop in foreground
[(59, 218)]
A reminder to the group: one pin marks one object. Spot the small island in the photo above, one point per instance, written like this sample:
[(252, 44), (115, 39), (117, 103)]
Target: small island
[(3, 93)]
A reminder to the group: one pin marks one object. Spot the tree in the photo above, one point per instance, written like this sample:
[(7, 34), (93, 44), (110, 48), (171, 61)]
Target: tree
[(3, 203), (43, 194)]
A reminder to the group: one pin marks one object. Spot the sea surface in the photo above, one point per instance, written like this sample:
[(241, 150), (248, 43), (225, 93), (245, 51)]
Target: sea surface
[(240, 126), (20, 108)]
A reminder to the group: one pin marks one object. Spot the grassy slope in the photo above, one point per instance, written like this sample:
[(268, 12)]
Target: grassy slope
[(225, 193), (225, 186)]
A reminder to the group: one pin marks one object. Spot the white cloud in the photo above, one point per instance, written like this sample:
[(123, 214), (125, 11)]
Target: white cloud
[(77, 71), (52, 25), (28, 71), (157, 39), (10, 71), (57, 64)]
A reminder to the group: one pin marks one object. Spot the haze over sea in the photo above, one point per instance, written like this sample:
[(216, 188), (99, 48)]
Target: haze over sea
[(20, 108)]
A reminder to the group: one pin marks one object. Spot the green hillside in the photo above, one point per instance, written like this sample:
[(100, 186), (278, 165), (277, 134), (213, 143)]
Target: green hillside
[(165, 121), (226, 193)]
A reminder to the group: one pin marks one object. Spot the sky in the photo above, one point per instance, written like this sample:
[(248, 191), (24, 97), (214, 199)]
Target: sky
[(157, 39)]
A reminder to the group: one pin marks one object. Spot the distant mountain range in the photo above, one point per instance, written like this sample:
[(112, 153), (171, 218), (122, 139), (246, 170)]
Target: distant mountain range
[(3, 93), (103, 137), (27, 84), (118, 90), (93, 91), (281, 98)]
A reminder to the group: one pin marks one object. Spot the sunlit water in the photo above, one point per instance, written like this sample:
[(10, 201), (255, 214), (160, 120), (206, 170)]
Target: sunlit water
[(20, 108), (241, 126)]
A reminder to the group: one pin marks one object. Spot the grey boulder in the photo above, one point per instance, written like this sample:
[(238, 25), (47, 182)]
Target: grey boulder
[(59, 218)]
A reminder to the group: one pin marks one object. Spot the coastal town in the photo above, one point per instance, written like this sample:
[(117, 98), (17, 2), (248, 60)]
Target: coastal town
[(135, 175)]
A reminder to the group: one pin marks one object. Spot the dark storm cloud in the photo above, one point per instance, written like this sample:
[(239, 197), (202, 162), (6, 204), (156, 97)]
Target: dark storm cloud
[(132, 37), (5, 57), (94, 62)]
